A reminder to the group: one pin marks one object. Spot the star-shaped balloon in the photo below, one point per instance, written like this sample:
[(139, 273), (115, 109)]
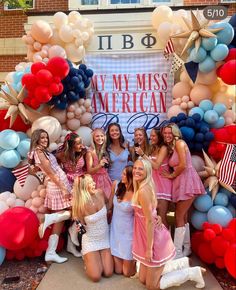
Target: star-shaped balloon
[(211, 175), (196, 31), (14, 103)]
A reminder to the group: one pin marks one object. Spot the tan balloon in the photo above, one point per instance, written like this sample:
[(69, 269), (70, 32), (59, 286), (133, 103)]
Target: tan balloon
[(206, 78), (41, 31), (160, 14), (199, 93), (181, 89), (59, 19)]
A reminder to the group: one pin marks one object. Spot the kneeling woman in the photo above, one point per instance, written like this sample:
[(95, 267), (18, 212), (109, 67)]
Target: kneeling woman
[(88, 206), (152, 245)]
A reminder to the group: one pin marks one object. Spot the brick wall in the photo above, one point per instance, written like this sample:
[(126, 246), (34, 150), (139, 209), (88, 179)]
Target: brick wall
[(49, 5), (8, 63)]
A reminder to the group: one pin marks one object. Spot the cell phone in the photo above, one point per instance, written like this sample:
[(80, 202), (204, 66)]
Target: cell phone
[(11, 279)]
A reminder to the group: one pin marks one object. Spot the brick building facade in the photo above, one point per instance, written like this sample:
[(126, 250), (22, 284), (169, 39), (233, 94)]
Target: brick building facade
[(12, 25)]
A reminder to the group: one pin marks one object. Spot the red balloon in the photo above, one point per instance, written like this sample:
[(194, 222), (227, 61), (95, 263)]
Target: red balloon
[(18, 228), (228, 235), (231, 55), (209, 234), (42, 94), (37, 66), (29, 81), (229, 259), (58, 66), (205, 253), (196, 240), (228, 73), (219, 246), (217, 228), (18, 125), (232, 227), (206, 225), (44, 77), (20, 255), (220, 263)]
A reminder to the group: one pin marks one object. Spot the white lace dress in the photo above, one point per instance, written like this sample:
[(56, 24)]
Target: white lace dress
[(97, 232)]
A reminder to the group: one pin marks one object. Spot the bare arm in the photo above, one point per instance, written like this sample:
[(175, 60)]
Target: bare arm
[(145, 200), (91, 169), (110, 202), (46, 167), (162, 154)]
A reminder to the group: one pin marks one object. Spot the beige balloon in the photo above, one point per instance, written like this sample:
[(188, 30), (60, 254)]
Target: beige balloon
[(160, 14)]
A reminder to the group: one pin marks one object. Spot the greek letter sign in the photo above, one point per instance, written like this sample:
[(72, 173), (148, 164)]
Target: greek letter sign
[(133, 89)]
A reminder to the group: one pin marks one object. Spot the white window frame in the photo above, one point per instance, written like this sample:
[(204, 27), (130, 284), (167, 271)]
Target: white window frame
[(227, 1), (105, 4), (13, 9)]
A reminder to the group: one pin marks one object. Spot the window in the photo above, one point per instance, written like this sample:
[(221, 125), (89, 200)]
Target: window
[(14, 5), (89, 2), (124, 1)]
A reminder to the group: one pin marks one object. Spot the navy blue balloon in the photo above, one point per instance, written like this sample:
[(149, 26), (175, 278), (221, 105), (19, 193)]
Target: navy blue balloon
[(73, 72), (233, 200), (190, 122), (199, 137), (73, 97), (87, 83), (206, 145), (182, 123), (196, 117), (81, 86), (75, 81), (7, 180), (89, 73), (69, 63), (198, 146), (81, 72), (62, 105), (181, 116), (190, 145), (82, 94), (204, 129), (173, 119), (209, 136), (188, 133), (83, 67)]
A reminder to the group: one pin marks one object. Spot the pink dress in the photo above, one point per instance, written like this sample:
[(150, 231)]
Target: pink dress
[(163, 247), (163, 185), (73, 171), (54, 199), (102, 178), (188, 183)]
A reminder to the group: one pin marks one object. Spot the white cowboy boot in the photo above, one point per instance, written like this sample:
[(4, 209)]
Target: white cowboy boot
[(51, 255), (178, 241), (174, 265), (53, 218), (187, 243), (74, 234), (179, 277), (71, 248)]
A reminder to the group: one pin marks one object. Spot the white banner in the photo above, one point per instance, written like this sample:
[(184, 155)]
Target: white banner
[(133, 90)]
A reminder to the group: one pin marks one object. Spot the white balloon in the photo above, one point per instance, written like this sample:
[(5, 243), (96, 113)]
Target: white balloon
[(60, 19), (24, 193), (19, 202), (5, 195), (74, 16), (85, 133), (3, 206), (86, 118), (73, 124), (65, 33)]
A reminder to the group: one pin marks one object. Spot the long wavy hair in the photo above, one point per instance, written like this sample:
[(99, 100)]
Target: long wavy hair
[(121, 188), (35, 137), (160, 141), (81, 195), (146, 182), (68, 148), (121, 138), (99, 152), (176, 134)]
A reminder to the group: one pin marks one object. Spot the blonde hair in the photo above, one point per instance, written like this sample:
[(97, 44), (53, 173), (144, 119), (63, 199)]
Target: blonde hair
[(100, 152), (176, 134), (81, 195), (147, 181)]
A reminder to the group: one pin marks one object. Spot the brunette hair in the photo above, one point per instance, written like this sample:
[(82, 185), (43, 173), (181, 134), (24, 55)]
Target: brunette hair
[(109, 140), (121, 188), (160, 142), (35, 137)]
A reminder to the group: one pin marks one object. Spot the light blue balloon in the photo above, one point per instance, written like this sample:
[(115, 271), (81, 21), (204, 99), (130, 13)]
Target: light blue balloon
[(225, 191), (221, 199), (9, 139), (219, 215), (5, 89), (19, 86), (2, 255), (23, 147), (226, 35), (22, 135), (219, 124), (203, 203), (232, 210), (207, 65), (209, 43), (220, 108), (206, 105), (196, 110), (198, 218), (28, 69), (17, 76), (10, 158), (211, 117), (220, 52), (198, 56)]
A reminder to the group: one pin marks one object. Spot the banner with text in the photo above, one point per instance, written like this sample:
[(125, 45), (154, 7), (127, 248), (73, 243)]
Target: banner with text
[(133, 90)]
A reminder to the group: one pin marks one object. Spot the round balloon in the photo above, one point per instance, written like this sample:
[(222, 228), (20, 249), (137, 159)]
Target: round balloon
[(9, 139), (24, 192), (203, 203), (85, 133), (7, 180), (198, 218), (220, 215)]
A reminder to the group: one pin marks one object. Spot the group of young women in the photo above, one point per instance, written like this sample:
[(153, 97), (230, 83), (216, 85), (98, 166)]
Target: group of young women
[(132, 197)]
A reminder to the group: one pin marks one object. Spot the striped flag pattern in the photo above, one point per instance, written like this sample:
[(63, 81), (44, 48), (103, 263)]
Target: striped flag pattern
[(21, 174), (169, 49), (227, 168)]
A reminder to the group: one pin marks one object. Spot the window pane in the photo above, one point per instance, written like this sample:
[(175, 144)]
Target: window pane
[(89, 2), (15, 5), (157, 1), (125, 1)]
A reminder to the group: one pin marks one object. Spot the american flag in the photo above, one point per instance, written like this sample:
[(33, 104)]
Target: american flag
[(21, 173), (169, 49), (227, 168)]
